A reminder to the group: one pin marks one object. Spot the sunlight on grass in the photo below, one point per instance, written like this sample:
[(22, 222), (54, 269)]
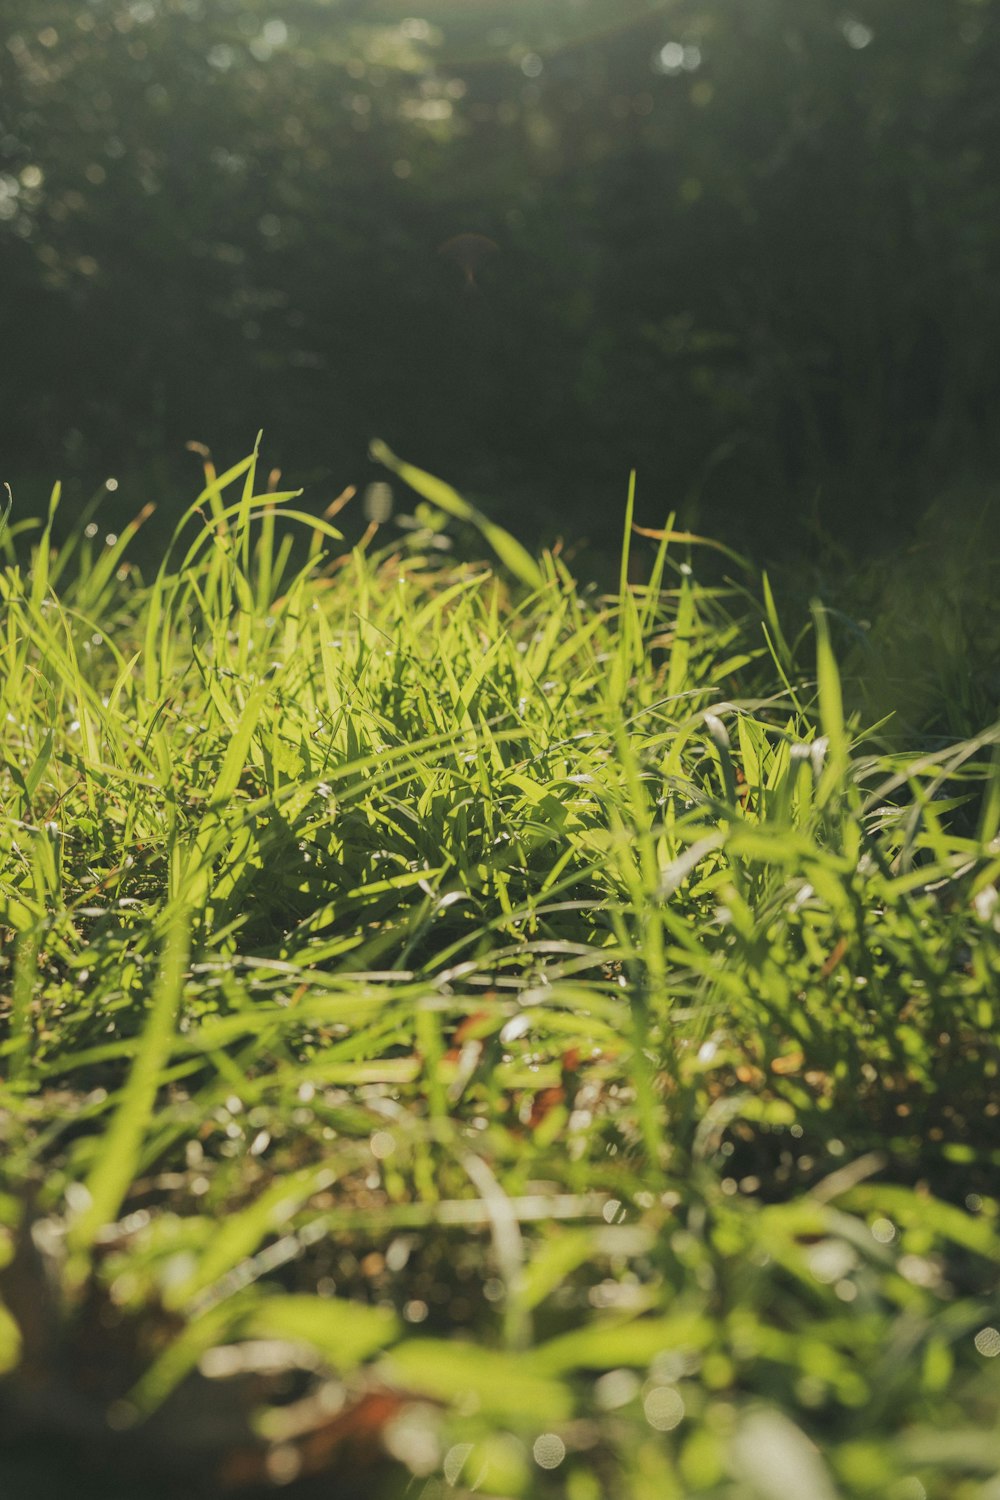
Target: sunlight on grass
[(519, 1038)]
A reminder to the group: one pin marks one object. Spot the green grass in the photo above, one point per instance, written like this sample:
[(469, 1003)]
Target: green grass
[(466, 1032)]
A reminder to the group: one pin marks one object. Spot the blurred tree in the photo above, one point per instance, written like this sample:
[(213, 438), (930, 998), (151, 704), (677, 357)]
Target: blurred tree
[(750, 250)]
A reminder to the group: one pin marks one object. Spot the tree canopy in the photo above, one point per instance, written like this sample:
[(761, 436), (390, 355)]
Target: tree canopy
[(749, 249)]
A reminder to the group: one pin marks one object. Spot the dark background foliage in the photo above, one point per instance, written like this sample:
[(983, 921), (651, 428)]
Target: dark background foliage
[(751, 249)]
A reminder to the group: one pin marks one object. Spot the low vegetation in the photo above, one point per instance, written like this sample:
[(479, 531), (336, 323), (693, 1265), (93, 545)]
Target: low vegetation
[(464, 1032)]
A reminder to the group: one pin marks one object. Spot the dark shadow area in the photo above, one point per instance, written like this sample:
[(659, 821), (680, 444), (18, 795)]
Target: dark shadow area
[(748, 250)]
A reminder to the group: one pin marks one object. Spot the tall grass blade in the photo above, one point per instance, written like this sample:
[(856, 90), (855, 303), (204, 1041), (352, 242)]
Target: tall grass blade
[(516, 558)]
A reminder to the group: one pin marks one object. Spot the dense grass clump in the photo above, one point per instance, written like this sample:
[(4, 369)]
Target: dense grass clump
[(462, 1034)]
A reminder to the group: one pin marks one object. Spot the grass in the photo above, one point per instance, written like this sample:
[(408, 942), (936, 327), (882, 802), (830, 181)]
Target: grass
[(468, 1033)]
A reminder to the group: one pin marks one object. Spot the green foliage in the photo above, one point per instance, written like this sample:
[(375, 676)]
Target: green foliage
[(748, 249), (534, 1030)]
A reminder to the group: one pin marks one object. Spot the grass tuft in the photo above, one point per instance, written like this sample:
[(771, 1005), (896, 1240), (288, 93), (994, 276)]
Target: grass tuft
[(465, 1030)]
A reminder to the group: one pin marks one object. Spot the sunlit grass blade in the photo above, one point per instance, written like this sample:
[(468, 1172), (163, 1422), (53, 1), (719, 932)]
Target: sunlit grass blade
[(108, 1180), (511, 553)]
